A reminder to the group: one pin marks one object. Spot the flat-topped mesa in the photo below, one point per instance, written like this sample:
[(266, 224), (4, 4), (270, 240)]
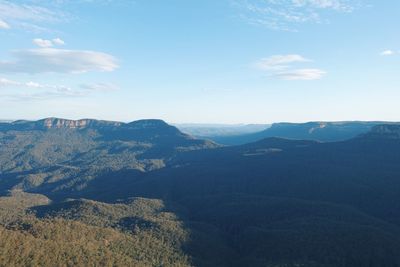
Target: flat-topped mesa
[(57, 123), (63, 123), (149, 124), (386, 131), (154, 126)]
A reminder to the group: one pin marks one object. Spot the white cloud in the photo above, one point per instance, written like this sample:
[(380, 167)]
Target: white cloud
[(47, 43), (340, 5), (287, 15), (44, 95), (301, 74), (26, 16), (42, 43), (4, 25), (279, 62), (282, 67), (26, 12), (38, 91), (34, 85), (58, 41), (387, 53), (52, 60), (6, 83), (40, 15), (100, 87)]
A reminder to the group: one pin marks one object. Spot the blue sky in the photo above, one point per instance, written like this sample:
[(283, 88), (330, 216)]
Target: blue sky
[(226, 61)]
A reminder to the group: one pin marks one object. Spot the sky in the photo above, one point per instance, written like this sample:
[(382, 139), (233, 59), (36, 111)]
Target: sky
[(200, 61)]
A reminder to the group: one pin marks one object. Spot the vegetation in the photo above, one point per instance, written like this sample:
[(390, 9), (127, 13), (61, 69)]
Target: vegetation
[(155, 197), (52, 155), (143, 234)]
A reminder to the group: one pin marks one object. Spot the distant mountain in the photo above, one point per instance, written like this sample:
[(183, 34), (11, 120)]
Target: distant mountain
[(318, 131), (385, 131), (213, 130)]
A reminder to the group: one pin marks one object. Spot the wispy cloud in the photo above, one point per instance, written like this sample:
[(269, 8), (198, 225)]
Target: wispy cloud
[(387, 53), (51, 60), (33, 90), (286, 15), (47, 43), (58, 41), (100, 87), (340, 5), (4, 25), (283, 67), (28, 16), (43, 95), (279, 62), (42, 43), (301, 74), (40, 15), (7, 83)]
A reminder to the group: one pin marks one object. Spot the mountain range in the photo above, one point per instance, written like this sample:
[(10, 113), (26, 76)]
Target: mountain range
[(144, 193), (318, 131)]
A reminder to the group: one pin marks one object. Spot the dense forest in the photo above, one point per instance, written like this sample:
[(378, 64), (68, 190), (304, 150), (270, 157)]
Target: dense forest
[(93, 193)]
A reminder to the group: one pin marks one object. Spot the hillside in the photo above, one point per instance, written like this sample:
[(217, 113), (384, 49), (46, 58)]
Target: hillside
[(147, 235), (281, 195), (57, 153), (274, 202)]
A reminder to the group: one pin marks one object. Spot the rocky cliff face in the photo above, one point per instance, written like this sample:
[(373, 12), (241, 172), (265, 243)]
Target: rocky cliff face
[(57, 123), (50, 123)]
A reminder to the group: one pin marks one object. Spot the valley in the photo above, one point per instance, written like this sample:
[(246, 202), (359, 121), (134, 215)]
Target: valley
[(144, 187)]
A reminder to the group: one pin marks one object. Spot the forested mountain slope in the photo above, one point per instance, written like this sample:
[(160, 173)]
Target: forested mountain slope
[(144, 193), (56, 153)]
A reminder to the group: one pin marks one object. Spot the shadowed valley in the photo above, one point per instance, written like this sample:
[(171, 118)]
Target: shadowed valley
[(143, 193)]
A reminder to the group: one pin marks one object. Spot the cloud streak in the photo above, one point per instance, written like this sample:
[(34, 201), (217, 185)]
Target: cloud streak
[(339, 5), (47, 43), (27, 16), (6, 83), (301, 74), (279, 62), (52, 60), (4, 25), (283, 67), (100, 87), (387, 53), (287, 15), (42, 43), (38, 91)]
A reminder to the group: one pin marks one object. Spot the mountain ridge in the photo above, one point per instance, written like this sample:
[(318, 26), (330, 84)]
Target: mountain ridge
[(54, 122), (323, 131)]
